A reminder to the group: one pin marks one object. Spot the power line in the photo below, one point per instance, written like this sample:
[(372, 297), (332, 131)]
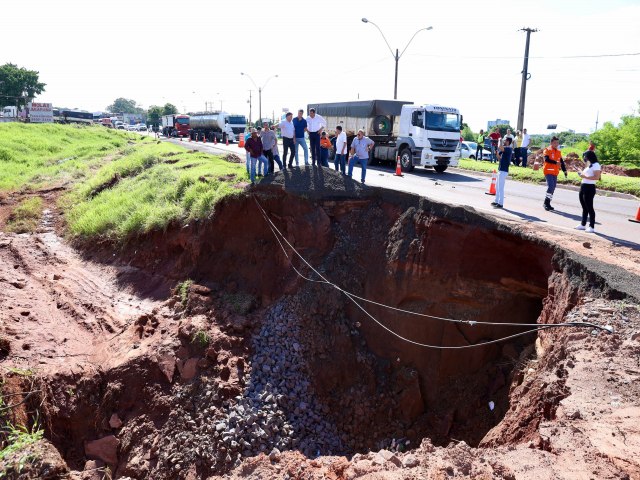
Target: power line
[(530, 57), (352, 297)]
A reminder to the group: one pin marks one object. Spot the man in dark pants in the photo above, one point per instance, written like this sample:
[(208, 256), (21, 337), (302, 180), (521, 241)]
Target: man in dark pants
[(288, 138), (315, 125), (269, 139)]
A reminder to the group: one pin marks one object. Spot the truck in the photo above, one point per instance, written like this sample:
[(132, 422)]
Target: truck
[(222, 126), (175, 125), (74, 116), (10, 111), (420, 135)]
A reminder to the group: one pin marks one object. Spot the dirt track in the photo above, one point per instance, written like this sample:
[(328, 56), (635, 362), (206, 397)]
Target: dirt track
[(126, 384)]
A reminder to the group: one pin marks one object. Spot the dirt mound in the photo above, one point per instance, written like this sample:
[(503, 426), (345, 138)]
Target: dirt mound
[(246, 369), (574, 161)]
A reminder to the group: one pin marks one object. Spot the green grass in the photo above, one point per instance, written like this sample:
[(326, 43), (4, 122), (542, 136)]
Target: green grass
[(201, 339), (182, 289), (26, 216), (607, 182), (19, 437), (147, 190), (32, 156), (124, 184)]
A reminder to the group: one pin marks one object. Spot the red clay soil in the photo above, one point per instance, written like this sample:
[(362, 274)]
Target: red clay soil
[(130, 375)]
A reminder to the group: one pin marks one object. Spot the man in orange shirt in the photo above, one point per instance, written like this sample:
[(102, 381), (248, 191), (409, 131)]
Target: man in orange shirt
[(553, 162)]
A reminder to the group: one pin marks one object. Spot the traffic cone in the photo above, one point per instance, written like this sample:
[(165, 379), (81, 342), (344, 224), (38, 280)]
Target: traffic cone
[(204, 139), (241, 142), (227, 141), (398, 168), (215, 139), (637, 219), (492, 188)]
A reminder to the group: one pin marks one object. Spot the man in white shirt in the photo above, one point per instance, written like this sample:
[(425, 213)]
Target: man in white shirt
[(526, 141), (341, 150), (288, 138), (315, 125)]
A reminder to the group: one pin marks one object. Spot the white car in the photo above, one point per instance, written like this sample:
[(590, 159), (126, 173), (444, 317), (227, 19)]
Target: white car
[(468, 150), (142, 128)]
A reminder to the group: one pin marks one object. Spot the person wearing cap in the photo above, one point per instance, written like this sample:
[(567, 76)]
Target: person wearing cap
[(269, 139), (553, 162), (255, 149), (360, 149), (315, 125), (590, 176), (288, 139), (300, 126)]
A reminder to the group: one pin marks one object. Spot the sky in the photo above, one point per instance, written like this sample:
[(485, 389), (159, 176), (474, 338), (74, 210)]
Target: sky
[(91, 52)]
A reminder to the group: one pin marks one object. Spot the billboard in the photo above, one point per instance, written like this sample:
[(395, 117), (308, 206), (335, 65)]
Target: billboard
[(40, 112)]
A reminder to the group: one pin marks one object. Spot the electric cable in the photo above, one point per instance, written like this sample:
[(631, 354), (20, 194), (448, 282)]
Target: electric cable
[(535, 327)]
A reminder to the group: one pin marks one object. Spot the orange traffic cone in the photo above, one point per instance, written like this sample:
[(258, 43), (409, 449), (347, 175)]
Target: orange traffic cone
[(398, 168), (227, 141), (241, 142), (492, 188), (204, 139), (215, 139), (637, 219)]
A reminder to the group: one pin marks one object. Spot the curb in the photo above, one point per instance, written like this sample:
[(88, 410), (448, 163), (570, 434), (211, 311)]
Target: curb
[(575, 188)]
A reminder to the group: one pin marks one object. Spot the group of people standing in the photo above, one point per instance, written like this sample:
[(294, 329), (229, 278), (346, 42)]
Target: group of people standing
[(519, 145), (262, 146), (553, 163)]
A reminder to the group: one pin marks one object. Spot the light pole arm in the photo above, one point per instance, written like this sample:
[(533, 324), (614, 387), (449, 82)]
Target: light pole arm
[(414, 36), (265, 83), (249, 77), (383, 37)]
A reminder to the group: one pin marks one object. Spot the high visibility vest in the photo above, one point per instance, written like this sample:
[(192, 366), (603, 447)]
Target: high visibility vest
[(553, 154)]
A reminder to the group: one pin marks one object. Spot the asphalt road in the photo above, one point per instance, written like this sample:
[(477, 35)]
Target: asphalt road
[(523, 201)]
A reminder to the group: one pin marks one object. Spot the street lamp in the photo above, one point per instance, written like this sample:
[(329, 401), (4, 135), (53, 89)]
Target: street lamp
[(395, 56), (259, 91)]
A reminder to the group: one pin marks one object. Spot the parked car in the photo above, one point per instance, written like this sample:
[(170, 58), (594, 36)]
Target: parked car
[(142, 128), (468, 150)]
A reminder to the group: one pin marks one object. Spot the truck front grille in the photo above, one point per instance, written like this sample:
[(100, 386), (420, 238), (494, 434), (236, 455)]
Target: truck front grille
[(443, 145)]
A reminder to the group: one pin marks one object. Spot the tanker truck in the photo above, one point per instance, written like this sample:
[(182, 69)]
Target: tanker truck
[(175, 125), (219, 125), (421, 135)]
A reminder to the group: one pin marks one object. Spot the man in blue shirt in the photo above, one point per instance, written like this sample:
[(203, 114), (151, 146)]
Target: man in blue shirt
[(360, 149), (300, 126)]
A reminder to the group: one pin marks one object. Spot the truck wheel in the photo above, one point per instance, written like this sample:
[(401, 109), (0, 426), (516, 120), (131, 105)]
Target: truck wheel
[(440, 168), (406, 160), (382, 125)]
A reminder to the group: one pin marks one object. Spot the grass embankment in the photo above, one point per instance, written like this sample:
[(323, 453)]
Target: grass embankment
[(607, 182), (123, 184)]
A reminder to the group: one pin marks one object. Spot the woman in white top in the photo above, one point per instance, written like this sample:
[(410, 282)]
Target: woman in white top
[(590, 175)]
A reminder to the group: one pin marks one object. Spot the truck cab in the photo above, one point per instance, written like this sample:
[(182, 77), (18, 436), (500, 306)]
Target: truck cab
[(429, 136)]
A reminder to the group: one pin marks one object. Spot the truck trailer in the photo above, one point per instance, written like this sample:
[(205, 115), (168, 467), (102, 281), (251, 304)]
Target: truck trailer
[(175, 125), (219, 125), (420, 135)]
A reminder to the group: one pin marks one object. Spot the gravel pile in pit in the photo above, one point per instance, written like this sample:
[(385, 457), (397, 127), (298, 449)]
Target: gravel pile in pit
[(277, 410)]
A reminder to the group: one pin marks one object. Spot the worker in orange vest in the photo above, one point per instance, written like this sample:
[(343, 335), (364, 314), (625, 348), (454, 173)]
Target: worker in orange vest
[(553, 162)]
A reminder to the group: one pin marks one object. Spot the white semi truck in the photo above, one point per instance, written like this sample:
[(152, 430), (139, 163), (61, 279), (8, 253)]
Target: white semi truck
[(222, 126), (421, 135)]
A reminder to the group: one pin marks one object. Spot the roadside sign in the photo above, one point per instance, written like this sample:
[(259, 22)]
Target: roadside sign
[(40, 112)]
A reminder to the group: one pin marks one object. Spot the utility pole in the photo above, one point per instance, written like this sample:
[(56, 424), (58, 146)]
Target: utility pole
[(525, 76), (597, 117), (249, 107)]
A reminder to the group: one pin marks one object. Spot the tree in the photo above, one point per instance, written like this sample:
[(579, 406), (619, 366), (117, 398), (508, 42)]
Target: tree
[(169, 109), (18, 86), (467, 134), (606, 140), (124, 105), (154, 114)]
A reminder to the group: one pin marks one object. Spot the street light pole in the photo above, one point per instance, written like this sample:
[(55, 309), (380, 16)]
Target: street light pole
[(397, 55), (259, 91)]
